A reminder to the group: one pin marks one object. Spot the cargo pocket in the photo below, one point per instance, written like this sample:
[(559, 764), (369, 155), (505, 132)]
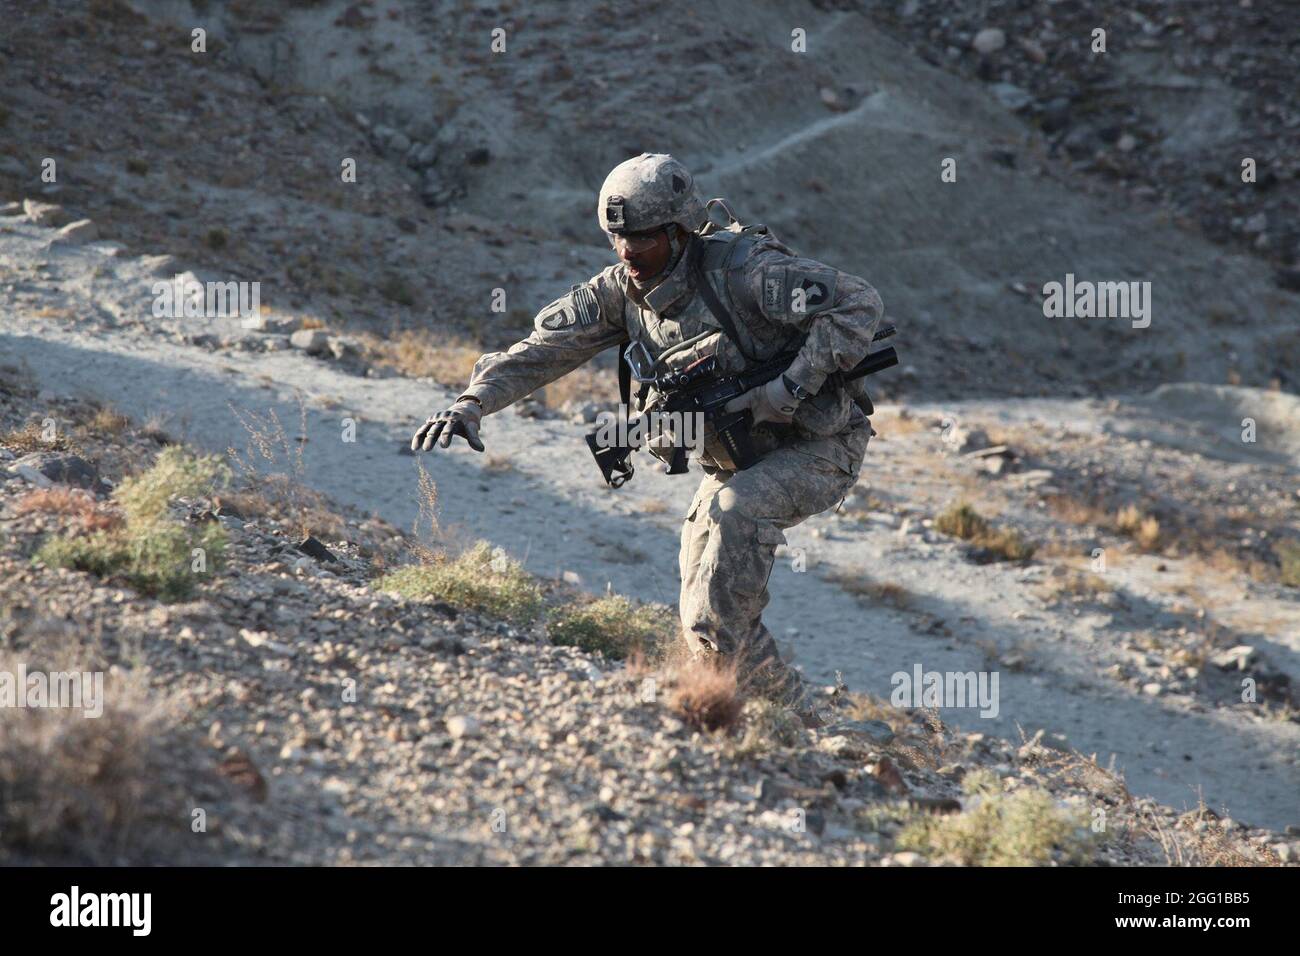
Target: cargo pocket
[(831, 450), (695, 505), (769, 534), (845, 450), (770, 537)]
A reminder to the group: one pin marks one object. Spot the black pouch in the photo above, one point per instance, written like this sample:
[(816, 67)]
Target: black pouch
[(733, 433)]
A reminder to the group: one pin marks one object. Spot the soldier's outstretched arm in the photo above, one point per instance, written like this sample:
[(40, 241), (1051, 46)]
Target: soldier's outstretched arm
[(567, 333), (840, 312)]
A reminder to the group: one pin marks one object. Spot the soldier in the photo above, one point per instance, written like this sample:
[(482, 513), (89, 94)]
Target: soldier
[(685, 289)]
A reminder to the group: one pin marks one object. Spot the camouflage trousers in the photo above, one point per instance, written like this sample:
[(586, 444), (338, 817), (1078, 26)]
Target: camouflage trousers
[(728, 549)]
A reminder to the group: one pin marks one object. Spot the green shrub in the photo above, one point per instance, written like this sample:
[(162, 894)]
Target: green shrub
[(612, 626), (151, 550), (482, 579), (176, 473), (962, 521), (1023, 828), (1288, 553)]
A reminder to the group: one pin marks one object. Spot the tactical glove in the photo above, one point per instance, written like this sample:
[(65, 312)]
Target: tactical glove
[(461, 419), (772, 402)]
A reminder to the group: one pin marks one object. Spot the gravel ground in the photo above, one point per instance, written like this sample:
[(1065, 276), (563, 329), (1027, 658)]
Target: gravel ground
[(319, 720)]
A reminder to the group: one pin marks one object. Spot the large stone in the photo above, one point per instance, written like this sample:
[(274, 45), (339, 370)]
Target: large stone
[(1011, 96), (60, 467), (272, 324), (343, 348), (311, 341), (44, 213), (989, 40), (75, 233), (1239, 657), (312, 547), (875, 731), (158, 267), (460, 727)]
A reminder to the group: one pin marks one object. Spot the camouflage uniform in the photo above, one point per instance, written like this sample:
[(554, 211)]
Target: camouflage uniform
[(736, 519)]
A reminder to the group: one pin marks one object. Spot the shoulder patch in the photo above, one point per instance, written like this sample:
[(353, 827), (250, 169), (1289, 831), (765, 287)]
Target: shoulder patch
[(580, 307), (586, 307), (808, 290), (774, 289), (557, 315)]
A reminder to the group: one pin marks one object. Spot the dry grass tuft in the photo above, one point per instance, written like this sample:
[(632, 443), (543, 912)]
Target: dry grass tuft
[(36, 436), (108, 421), (872, 592), (1144, 529), (706, 693), (1198, 839), (155, 429), (272, 466), (1073, 511), (448, 360), (585, 385), (894, 423), (961, 520), (74, 503), (75, 788), (1074, 584)]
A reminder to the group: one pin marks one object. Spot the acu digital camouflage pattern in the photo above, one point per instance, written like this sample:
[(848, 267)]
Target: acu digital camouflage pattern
[(649, 191), (737, 519)]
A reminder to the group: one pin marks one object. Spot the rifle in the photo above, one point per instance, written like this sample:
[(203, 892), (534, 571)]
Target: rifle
[(698, 390)]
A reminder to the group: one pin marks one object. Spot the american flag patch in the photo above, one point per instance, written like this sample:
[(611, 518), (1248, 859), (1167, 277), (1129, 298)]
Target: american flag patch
[(585, 304)]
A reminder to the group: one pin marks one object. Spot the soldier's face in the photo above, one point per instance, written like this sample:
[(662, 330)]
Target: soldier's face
[(646, 253)]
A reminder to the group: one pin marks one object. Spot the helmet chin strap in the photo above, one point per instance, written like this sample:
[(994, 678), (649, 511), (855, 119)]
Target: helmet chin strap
[(676, 248)]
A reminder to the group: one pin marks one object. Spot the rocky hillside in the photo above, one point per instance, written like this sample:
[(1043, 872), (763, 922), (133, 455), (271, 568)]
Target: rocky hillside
[(1106, 517), (477, 170), (283, 706)]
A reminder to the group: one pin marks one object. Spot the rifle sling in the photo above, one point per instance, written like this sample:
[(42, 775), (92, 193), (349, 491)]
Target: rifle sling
[(719, 311), (624, 380)]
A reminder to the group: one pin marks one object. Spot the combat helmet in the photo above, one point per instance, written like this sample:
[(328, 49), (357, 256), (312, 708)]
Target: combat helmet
[(649, 191)]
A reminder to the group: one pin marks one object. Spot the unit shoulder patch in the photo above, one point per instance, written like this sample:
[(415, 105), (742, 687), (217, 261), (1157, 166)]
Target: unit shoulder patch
[(797, 290), (579, 307), (809, 290)]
